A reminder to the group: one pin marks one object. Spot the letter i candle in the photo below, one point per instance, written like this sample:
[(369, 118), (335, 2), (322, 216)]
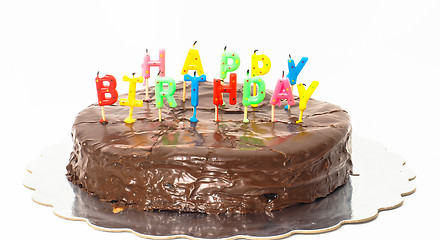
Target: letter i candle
[(147, 64), (131, 99)]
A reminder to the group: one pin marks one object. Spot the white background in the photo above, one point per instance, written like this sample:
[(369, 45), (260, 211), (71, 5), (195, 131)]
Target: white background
[(377, 59)]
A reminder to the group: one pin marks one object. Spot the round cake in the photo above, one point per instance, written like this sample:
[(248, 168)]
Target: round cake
[(211, 167)]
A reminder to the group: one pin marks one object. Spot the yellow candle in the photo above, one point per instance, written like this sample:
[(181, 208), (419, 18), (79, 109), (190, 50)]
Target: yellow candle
[(131, 99), (257, 71), (192, 62), (304, 96)]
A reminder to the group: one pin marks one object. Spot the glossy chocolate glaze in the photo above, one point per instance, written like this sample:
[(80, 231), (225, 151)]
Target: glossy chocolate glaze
[(215, 168)]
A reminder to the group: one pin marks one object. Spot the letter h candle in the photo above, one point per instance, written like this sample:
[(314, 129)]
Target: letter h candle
[(219, 88), (147, 64)]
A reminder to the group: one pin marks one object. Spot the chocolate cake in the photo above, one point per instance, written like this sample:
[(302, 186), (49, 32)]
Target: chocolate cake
[(209, 167)]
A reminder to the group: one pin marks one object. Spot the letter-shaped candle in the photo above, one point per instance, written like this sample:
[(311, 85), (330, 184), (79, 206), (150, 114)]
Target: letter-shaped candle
[(146, 66), (304, 96), (194, 93), (192, 62), (282, 91), (219, 88), (294, 71), (256, 70), (131, 100), (225, 67), (107, 93), (256, 98), (161, 93)]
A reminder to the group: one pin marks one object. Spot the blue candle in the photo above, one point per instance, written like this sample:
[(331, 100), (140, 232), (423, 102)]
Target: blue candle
[(294, 71), (194, 92)]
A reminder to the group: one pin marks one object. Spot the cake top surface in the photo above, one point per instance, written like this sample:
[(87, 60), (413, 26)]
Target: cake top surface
[(230, 134)]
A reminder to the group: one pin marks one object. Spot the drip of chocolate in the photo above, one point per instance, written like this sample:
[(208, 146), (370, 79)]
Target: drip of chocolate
[(209, 167)]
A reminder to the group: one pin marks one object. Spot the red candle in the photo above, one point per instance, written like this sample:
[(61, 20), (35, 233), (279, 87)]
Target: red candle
[(107, 93), (219, 88)]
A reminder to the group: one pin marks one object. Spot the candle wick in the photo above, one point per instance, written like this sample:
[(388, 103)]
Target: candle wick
[(97, 74), (195, 73), (158, 73), (225, 49), (146, 50), (248, 72), (255, 51), (283, 74), (133, 74), (194, 43), (289, 56)]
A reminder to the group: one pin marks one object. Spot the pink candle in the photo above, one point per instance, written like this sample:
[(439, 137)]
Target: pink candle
[(146, 66), (282, 91)]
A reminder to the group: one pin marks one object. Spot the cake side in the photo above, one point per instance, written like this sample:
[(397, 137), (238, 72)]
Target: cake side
[(226, 167)]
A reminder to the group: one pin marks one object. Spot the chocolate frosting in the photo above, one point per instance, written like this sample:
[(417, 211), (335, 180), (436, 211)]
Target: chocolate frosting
[(209, 167)]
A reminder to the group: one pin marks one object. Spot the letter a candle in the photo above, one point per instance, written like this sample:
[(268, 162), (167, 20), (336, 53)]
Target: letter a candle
[(147, 64), (192, 62), (131, 100), (161, 93), (107, 93), (194, 92), (282, 91), (304, 96)]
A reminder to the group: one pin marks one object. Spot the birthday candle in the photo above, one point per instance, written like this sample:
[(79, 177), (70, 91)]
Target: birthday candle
[(107, 93), (131, 100), (282, 91), (192, 62), (146, 66), (304, 96), (220, 88), (294, 71), (161, 93), (257, 71), (225, 67), (194, 92), (256, 98)]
